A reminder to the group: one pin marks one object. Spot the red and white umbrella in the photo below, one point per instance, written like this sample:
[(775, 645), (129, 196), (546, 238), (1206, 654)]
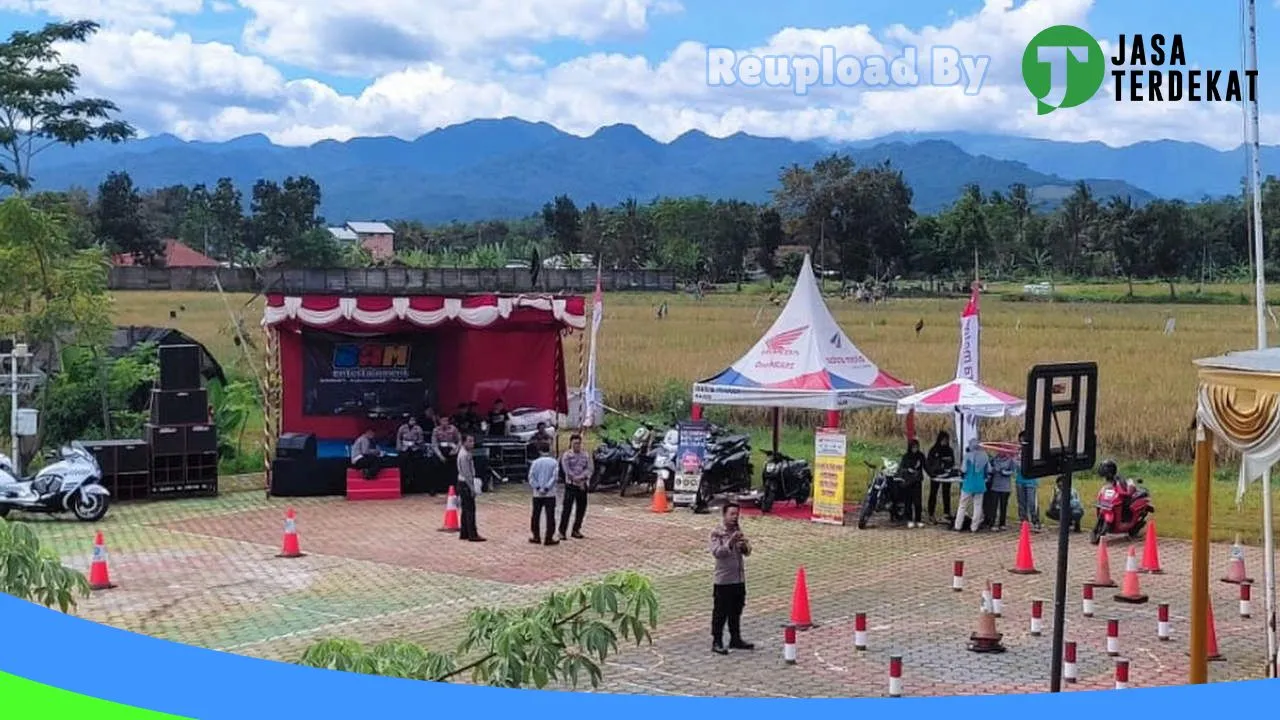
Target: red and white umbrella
[(965, 396)]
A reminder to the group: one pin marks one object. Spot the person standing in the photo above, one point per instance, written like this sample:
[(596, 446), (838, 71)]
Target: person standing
[(940, 462), (499, 418), (468, 487), (729, 547), (1002, 469), (912, 471), (543, 474), (973, 488), (577, 466), (1028, 499), (445, 441)]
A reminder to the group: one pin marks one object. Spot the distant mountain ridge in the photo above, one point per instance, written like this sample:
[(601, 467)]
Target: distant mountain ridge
[(503, 168)]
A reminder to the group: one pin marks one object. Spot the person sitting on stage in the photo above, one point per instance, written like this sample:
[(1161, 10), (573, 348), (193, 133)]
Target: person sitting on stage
[(498, 419), (459, 419), (365, 455), (429, 422), (445, 442), (409, 437), (473, 419), (410, 443)]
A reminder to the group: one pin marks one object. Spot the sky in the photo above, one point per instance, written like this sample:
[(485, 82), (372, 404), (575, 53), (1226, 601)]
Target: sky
[(301, 72)]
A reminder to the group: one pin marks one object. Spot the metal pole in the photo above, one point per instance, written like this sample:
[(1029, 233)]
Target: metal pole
[(1260, 299), (13, 413), (1060, 585), (1199, 671)]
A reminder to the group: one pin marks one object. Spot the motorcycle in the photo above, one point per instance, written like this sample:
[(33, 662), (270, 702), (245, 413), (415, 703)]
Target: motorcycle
[(727, 469), (609, 464), (884, 493), (72, 483), (640, 460), (1115, 517), (785, 478), (664, 459)]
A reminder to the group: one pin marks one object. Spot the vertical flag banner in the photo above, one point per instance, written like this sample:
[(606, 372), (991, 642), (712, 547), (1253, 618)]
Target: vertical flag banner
[(967, 365), (590, 400), (830, 449)]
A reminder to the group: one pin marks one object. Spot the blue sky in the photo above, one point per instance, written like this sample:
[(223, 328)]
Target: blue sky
[(337, 68)]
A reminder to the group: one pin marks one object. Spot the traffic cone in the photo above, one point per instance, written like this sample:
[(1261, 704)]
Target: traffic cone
[(1131, 593), (986, 639), (451, 523), (800, 617), (1151, 553), (99, 576), (1235, 566), (1024, 564), (659, 504), (1102, 575), (1211, 641), (289, 546)]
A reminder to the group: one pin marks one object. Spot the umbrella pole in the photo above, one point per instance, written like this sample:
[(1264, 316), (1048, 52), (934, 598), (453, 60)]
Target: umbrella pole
[(777, 429)]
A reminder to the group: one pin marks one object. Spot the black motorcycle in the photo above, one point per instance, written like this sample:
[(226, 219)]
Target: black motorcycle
[(609, 465), (726, 469), (785, 478), (885, 493)]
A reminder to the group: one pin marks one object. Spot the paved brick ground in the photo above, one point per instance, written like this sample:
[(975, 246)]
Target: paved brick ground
[(204, 573)]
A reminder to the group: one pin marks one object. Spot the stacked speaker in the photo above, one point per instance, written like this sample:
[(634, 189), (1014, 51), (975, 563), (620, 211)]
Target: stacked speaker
[(126, 467), (183, 441), (295, 468)]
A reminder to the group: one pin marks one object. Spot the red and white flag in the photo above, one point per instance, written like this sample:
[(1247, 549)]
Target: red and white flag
[(589, 394), (967, 365)]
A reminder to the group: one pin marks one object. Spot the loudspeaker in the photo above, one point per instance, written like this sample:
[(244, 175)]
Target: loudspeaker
[(202, 439), (166, 441), (132, 457), (179, 407), (298, 446), (179, 367)]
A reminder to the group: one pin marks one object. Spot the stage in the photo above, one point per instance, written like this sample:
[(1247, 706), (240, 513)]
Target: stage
[(347, 364)]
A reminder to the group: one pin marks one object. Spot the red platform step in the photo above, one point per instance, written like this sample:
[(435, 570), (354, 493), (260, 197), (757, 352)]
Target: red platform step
[(386, 486)]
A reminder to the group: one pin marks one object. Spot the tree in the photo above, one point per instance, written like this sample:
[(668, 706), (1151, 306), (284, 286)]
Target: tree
[(282, 214), (564, 639), (226, 215), (39, 106), (563, 223), (1162, 228), (769, 237), (121, 222), (35, 573), (315, 248), (1117, 233)]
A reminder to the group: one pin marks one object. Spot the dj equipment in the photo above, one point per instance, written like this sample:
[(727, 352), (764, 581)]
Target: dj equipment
[(297, 446)]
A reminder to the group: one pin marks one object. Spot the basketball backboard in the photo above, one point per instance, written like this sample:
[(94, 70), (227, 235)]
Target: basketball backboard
[(1058, 436)]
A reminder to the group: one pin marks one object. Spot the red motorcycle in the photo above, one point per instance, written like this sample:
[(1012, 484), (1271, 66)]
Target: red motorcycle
[(1121, 512)]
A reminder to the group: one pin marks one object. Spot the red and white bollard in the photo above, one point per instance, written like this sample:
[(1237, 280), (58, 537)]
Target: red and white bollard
[(1162, 621), (895, 676), (789, 645), (1246, 596), (997, 599), (1088, 601), (1122, 674), (1069, 674), (1037, 618), (860, 631), (1113, 637), (957, 576)]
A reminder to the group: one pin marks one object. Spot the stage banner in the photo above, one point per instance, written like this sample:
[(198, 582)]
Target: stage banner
[(691, 453), (375, 376), (829, 452)]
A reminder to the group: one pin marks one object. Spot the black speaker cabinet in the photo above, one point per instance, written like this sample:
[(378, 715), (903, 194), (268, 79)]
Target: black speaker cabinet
[(296, 446), (120, 456), (166, 440), (179, 407), (202, 439), (179, 367)]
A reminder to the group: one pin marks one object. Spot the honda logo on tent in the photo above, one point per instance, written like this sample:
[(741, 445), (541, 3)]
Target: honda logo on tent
[(781, 343), (835, 340)]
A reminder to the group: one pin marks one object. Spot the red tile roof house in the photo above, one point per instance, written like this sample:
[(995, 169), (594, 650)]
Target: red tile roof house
[(378, 238), (176, 255)]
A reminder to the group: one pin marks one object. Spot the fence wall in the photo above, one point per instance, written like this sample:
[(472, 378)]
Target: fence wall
[(388, 280)]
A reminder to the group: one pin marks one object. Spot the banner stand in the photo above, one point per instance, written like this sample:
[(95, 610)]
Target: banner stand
[(830, 451)]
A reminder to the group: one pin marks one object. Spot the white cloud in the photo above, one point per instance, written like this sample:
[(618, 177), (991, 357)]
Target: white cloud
[(120, 14), (212, 91)]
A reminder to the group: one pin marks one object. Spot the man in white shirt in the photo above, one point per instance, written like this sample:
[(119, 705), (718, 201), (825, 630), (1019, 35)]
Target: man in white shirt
[(468, 489), (543, 474)]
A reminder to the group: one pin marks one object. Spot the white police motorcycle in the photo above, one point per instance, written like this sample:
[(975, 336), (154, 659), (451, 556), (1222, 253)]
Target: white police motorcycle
[(72, 483)]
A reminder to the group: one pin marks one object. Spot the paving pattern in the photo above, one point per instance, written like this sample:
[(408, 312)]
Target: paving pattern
[(204, 572)]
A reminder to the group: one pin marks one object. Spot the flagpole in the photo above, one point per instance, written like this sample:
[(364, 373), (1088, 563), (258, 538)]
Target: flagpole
[(589, 392), (1260, 302)]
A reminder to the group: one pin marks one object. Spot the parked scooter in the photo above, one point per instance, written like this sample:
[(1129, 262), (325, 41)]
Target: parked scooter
[(785, 478), (609, 464), (73, 483), (727, 469), (884, 493), (1121, 512), (664, 459), (639, 469)]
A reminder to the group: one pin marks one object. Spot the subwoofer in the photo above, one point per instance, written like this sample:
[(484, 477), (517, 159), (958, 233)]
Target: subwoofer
[(179, 367), (179, 407)]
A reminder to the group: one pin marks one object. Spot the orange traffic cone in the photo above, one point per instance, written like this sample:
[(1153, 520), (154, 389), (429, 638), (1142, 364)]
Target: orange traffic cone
[(1151, 552), (289, 547), (1235, 566), (1131, 593), (1211, 639), (1102, 576), (986, 639), (451, 523), (99, 576), (659, 504), (800, 617), (1024, 564)]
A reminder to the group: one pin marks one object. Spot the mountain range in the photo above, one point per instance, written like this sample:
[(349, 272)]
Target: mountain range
[(505, 168)]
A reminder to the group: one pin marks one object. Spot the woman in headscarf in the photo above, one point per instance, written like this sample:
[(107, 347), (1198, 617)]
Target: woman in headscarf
[(940, 462), (974, 486)]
